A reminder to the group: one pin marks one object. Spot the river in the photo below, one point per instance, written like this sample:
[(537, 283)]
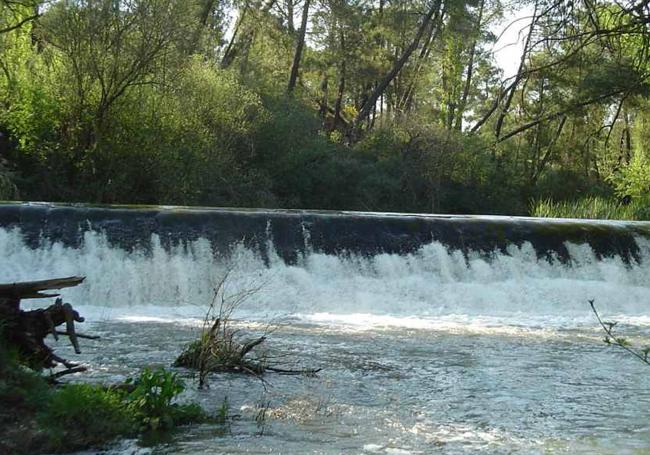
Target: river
[(425, 347)]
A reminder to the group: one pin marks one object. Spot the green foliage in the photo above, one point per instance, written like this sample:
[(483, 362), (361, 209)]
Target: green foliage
[(83, 415), (145, 102), (154, 392), (22, 393), (8, 189), (411, 167), (305, 169), (633, 180), (590, 208), (567, 185), (78, 416), (151, 401), (19, 386)]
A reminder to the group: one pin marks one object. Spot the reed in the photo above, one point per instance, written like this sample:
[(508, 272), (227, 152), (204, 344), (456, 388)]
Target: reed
[(596, 208)]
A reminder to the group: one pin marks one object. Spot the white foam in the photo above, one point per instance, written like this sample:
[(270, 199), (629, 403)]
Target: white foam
[(417, 290)]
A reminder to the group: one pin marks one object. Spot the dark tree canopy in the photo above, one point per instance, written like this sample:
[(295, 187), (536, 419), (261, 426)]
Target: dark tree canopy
[(341, 104)]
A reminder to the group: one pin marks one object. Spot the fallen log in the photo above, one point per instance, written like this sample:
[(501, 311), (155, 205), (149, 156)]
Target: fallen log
[(31, 289), (26, 331)]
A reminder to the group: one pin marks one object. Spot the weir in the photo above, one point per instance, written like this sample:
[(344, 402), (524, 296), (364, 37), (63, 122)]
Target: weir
[(292, 232), (163, 259)]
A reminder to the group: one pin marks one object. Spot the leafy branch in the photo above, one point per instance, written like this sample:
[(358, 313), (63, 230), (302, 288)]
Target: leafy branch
[(612, 339)]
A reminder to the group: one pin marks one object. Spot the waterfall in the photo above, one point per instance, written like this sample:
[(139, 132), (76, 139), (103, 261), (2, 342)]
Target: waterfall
[(432, 280)]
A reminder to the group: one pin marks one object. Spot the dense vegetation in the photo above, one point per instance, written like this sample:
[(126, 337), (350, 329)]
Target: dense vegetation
[(36, 417), (339, 104)]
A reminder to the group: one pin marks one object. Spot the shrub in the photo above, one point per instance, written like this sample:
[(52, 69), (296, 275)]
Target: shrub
[(19, 386), (565, 185), (633, 180)]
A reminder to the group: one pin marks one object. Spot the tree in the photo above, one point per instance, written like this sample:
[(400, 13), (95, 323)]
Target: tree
[(300, 43), (371, 101), (16, 13), (111, 46)]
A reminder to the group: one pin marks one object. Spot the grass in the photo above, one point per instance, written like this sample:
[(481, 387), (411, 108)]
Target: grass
[(596, 208), (83, 415)]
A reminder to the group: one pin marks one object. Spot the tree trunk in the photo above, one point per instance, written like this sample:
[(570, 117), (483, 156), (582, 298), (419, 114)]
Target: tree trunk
[(470, 70), (549, 153), (367, 106), (299, 46), (626, 139), (519, 76), (241, 41), (290, 25), (206, 8), (405, 103), (323, 104), (32, 289), (341, 90)]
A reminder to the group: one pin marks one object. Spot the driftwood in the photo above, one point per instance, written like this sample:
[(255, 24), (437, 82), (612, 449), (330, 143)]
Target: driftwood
[(32, 289), (26, 330)]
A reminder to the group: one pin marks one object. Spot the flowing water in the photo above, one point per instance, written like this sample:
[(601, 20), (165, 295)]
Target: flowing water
[(433, 350)]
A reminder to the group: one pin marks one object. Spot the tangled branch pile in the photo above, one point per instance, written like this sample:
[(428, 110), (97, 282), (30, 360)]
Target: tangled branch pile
[(222, 347)]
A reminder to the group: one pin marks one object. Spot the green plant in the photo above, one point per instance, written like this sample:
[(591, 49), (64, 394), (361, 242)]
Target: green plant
[(614, 339), (8, 189), (83, 415), (151, 401), (22, 387), (223, 411), (185, 414), (19, 385), (589, 208), (634, 179), (36, 417)]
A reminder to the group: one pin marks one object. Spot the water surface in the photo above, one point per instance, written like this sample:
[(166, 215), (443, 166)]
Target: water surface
[(435, 351)]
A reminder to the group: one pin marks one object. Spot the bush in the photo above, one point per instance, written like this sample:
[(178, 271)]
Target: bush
[(82, 415), (296, 158), (22, 391), (21, 387), (565, 185), (633, 181), (34, 417)]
